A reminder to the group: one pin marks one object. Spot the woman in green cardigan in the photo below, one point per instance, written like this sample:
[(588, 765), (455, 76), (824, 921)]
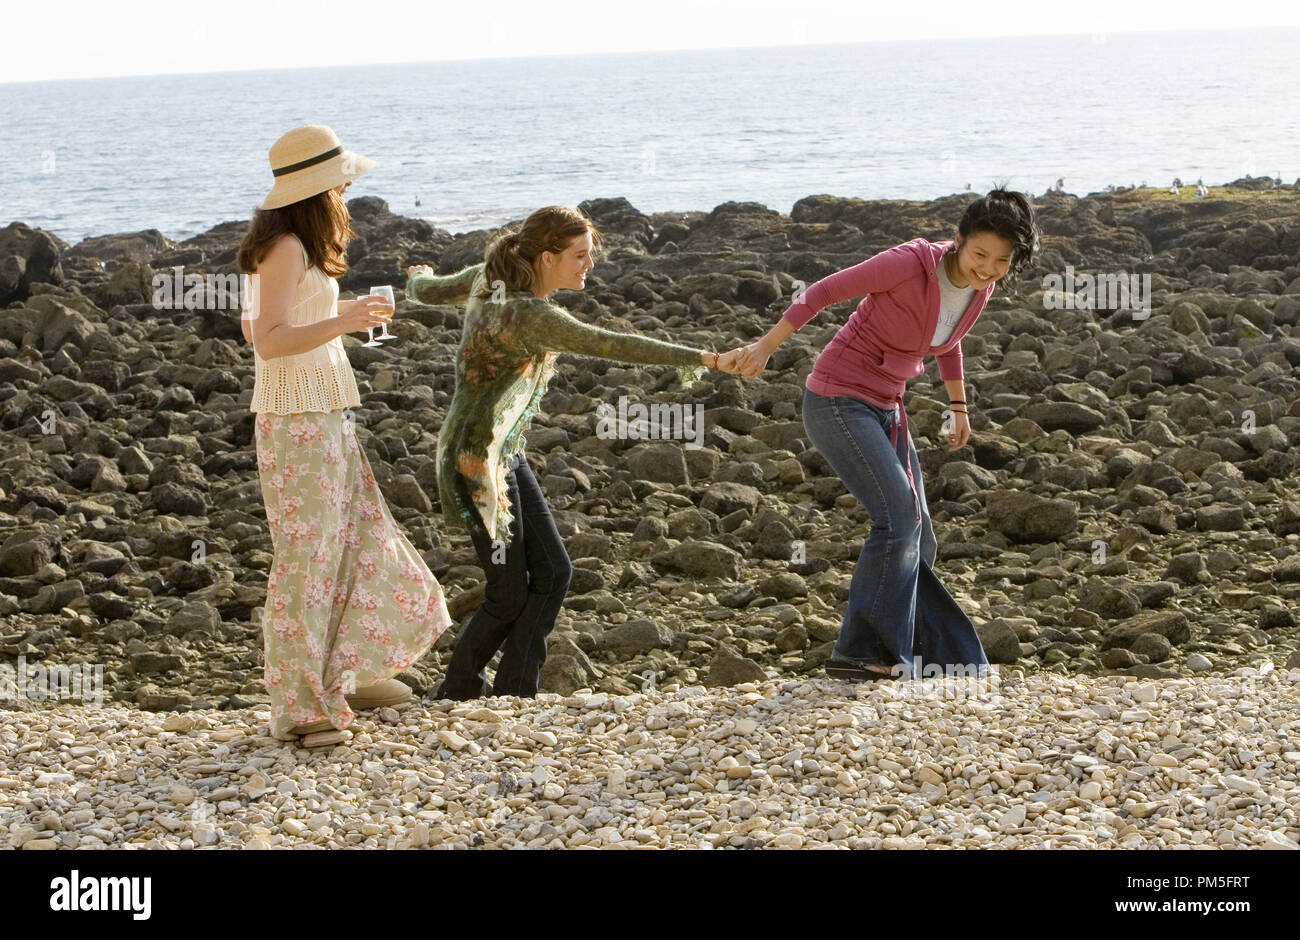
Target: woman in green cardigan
[(507, 352)]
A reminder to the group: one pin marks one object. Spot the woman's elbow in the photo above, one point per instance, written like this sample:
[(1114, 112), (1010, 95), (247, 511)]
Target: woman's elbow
[(266, 346)]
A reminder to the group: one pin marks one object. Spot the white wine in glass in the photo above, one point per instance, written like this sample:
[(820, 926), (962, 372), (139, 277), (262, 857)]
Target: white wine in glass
[(370, 330), (385, 292)]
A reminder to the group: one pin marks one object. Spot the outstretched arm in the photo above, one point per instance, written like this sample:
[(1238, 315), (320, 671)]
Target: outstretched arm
[(878, 273), (427, 288), (542, 326)]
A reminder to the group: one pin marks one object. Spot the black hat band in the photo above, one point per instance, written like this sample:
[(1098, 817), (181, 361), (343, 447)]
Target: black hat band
[(294, 167)]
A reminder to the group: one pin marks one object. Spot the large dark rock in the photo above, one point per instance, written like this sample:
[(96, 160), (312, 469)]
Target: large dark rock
[(1027, 517), (65, 317), (1065, 415), (735, 222), (1170, 624), (658, 463), (725, 498), (635, 636), (700, 559), (619, 221), (730, 668), (27, 551), (27, 256), (562, 674), (1001, 645), (139, 247), (387, 243), (1109, 601)]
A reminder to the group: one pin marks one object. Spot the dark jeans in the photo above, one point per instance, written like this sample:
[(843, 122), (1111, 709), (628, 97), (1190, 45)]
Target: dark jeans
[(899, 613), (521, 599)]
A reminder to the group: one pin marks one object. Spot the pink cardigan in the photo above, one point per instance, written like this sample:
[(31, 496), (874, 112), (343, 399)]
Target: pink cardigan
[(881, 346)]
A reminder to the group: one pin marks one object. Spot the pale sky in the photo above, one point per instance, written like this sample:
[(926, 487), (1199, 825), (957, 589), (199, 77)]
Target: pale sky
[(92, 38)]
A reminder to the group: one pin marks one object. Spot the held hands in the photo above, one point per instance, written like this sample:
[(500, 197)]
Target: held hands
[(727, 362), (743, 360), (752, 359), (723, 362)]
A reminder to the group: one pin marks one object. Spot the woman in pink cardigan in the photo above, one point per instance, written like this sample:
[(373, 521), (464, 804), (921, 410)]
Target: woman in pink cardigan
[(920, 298)]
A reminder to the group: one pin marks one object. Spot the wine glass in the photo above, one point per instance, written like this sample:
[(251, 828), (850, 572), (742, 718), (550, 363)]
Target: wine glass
[(370, 330), (385, 292)]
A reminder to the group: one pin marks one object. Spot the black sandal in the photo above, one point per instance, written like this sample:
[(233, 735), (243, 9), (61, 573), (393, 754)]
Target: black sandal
[(841, 669)]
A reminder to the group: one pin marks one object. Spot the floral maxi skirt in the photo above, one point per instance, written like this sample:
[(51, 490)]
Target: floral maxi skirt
[(349, 601)]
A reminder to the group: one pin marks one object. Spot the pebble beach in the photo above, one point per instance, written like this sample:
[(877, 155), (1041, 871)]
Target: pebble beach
[(1004, 762)]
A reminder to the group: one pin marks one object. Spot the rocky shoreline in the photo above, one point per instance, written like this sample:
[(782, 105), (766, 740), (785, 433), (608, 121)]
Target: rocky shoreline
[(1128, 504)]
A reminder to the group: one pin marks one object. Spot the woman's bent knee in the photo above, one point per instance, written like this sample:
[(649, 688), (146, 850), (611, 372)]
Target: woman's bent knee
[(507, 606), (904, 532), (554, 580)]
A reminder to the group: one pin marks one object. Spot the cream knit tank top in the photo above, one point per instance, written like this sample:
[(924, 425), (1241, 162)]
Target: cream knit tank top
[(320, 379)]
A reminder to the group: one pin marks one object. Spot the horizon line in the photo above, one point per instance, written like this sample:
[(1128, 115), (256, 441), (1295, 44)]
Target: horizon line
[(633, 52)]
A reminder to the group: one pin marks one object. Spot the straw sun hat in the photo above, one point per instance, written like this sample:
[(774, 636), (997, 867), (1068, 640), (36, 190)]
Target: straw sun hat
[(309, 160)]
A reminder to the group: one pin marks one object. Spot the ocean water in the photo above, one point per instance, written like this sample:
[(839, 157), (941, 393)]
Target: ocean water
[(481, 143)]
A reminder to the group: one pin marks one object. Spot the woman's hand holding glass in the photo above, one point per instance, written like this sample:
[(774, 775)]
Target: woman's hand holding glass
[(365, 313), (385, 293)]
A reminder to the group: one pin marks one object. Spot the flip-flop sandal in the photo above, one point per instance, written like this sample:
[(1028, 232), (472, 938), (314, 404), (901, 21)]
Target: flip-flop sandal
[(303, 730), (388, 692)]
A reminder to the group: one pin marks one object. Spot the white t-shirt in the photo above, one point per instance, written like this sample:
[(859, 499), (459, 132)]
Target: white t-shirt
[(953, 302)]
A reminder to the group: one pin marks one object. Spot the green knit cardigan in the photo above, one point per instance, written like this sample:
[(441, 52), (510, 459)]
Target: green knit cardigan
[(506, 357)]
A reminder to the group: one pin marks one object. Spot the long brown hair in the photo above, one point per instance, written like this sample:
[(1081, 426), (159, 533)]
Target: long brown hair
[(512, 256), (320, 222)]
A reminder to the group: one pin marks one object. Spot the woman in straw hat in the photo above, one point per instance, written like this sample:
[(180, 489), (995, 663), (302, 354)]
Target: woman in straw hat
[(349, 602)]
